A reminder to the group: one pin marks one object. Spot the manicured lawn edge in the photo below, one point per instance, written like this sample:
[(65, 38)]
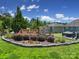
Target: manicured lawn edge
[(39, 45)]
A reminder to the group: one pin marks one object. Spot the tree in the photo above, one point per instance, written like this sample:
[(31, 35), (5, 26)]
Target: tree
[(6, 23), (19, 22), (33, 23), (36, 23), (7, 19), (1, 27)]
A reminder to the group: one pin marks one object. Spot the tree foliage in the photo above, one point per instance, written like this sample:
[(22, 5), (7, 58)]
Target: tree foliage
[(19, 22), (36, 23), (7, 19)]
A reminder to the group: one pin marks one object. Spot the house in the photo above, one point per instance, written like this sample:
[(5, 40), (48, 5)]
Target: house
[(73, 26), (61, 27), (56, 27), (53, 27)]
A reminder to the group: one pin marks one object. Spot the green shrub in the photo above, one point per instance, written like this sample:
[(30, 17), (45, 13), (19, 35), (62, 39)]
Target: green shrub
[(60, 40), (25, 37), (18, 37), (41, 38), (50, 39), (10, 36), (34, 38)]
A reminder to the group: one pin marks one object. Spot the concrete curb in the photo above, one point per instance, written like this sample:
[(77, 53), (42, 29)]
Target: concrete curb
[(39, 45)]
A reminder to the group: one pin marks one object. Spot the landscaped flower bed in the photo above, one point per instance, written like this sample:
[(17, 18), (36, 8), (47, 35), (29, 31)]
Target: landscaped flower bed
[(38, 40), (33, 38)]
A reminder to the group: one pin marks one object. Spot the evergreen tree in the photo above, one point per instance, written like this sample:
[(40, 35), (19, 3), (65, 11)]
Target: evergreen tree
[(19, 22)]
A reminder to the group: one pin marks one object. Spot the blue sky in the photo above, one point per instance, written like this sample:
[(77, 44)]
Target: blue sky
[(49, 10)]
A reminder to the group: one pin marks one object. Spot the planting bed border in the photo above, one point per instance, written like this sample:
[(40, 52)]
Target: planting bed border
[(40, 45)]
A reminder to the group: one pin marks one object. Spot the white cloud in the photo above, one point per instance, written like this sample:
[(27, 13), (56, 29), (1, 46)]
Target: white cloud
[(62, 18), (11, 13), (2, 7), (45, 10), (70, 18), (29, 8), (59, 16), (73, 18), (27, 18), (23, 7), (47, 18)]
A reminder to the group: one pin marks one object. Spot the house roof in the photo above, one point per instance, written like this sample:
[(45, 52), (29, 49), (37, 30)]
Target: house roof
[(74, 23), (56, 25)]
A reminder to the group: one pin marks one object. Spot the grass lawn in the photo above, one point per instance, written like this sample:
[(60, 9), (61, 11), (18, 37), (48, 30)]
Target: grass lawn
[(59, 36), (10, 51)]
